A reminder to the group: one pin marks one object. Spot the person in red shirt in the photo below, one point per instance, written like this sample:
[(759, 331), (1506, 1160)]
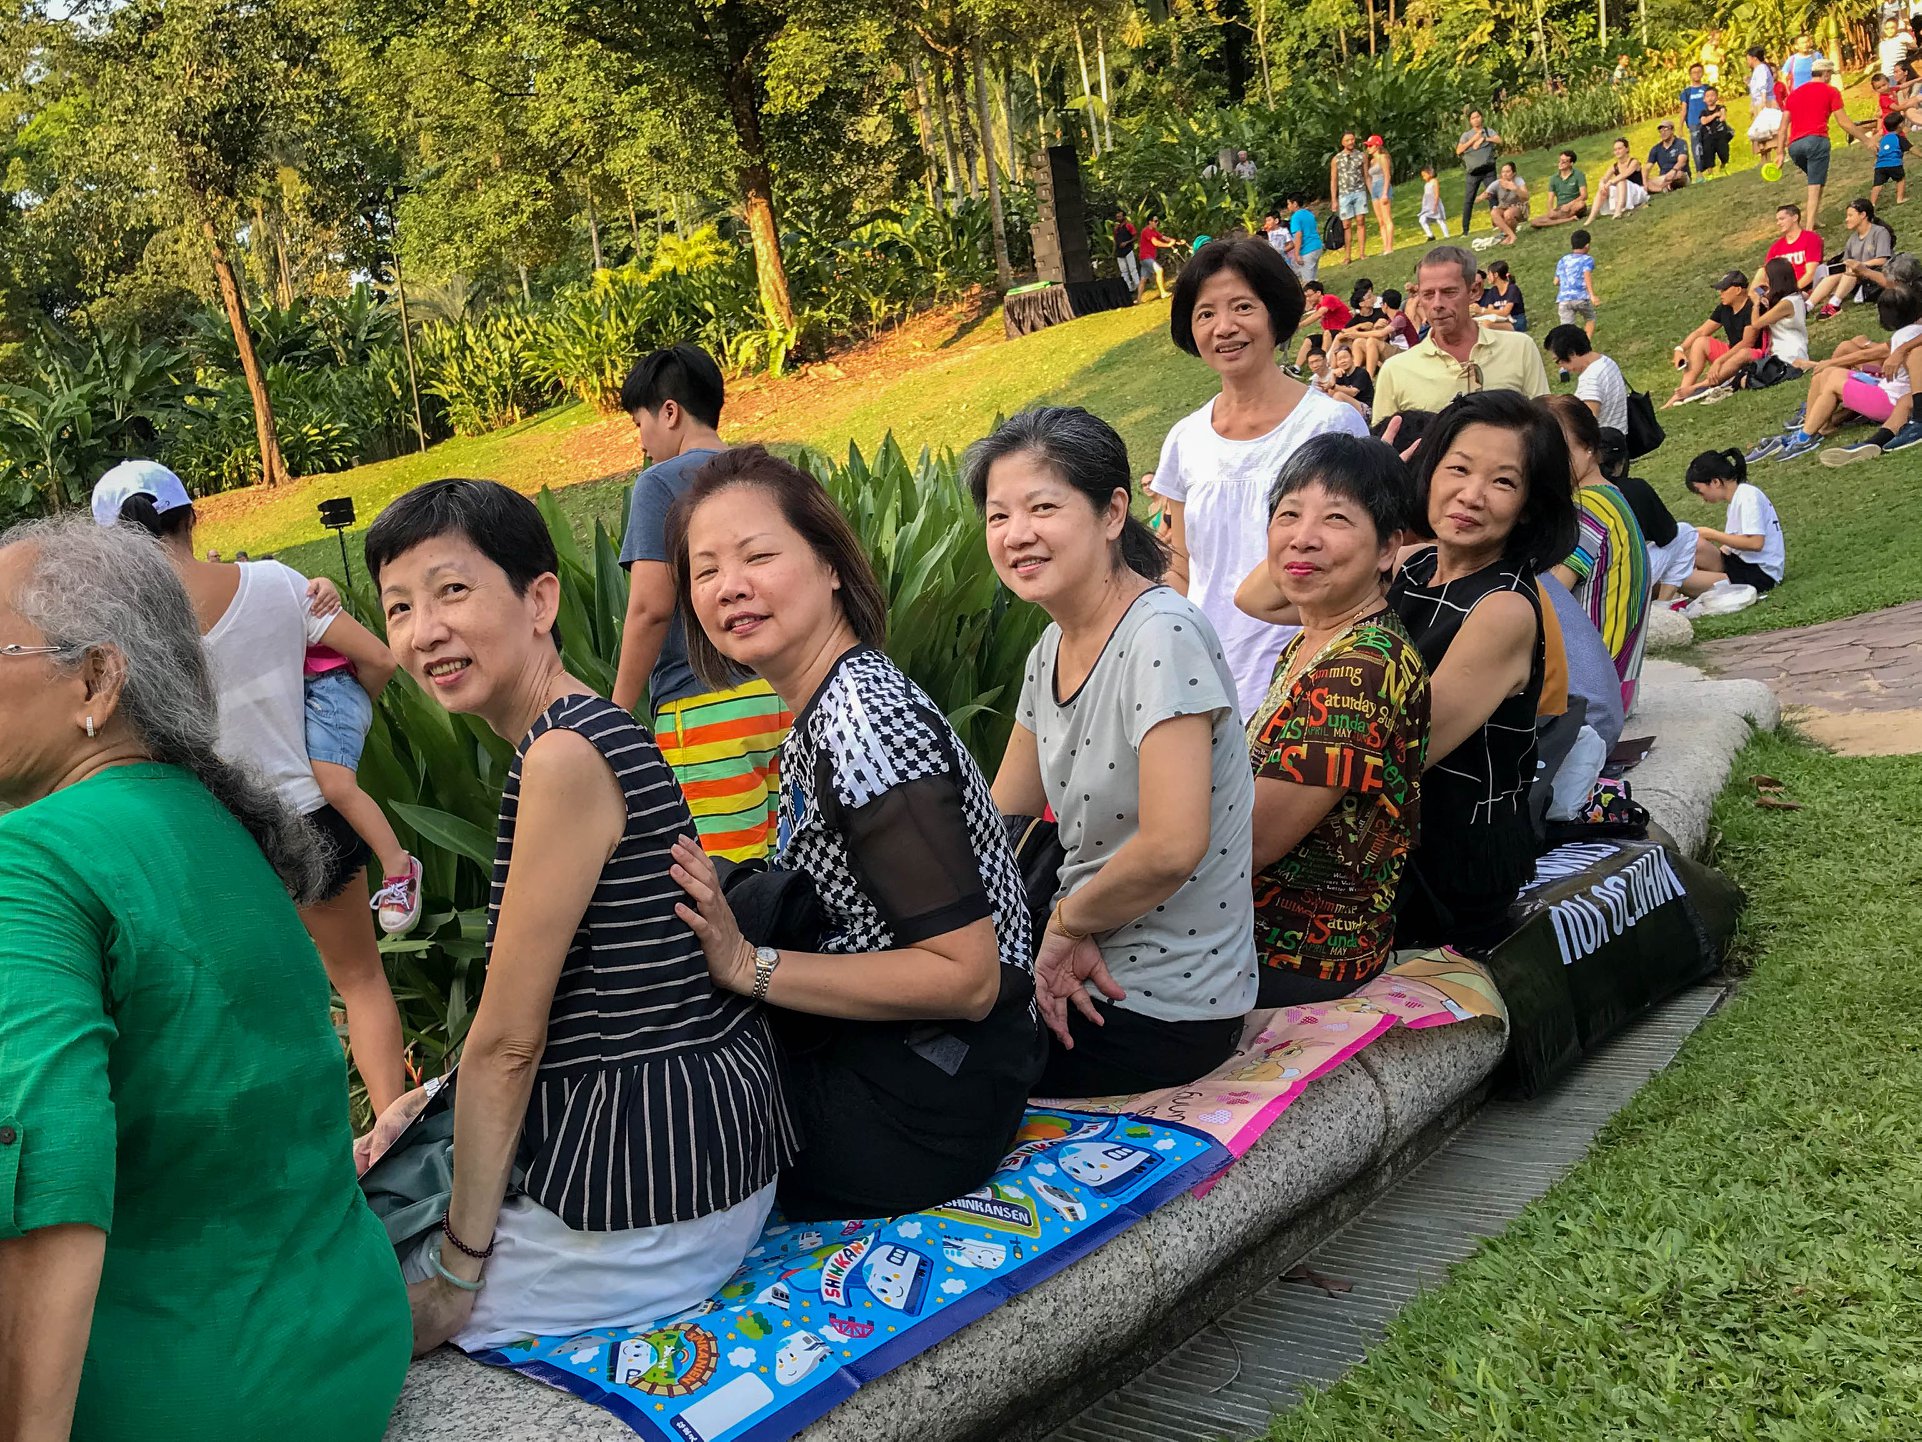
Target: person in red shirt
[(1800, 248), (1148, 246), (1809, 108), (1335, 316)]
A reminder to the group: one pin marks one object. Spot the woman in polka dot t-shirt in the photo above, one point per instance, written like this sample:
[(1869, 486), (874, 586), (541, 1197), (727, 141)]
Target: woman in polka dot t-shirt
[(1127, 727)]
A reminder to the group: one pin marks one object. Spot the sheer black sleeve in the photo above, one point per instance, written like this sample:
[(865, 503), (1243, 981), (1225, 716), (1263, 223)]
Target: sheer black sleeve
[(910, 852)]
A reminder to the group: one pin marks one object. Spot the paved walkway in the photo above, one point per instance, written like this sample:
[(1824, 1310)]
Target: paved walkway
[(1856, 683)]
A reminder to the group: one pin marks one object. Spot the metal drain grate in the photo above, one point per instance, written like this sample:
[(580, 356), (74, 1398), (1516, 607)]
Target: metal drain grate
[(1232, 1376)]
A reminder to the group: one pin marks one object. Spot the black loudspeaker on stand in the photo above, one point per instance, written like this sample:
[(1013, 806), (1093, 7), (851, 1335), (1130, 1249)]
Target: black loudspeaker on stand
[(1060, 229)]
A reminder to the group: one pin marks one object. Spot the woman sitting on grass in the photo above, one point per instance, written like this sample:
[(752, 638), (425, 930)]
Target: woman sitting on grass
[(1507, 197), (1750, 549), (1127, 731), (1470, 603), (642, 1101), (1338, 742), (1779, 326), (1621, 187), (910, 1028)]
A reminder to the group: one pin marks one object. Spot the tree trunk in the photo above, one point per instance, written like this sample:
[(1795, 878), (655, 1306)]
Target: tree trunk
[(1107, 112), (1003, 270), (273, 469), (969, 153), (756, 184), (1014, 138), (1261, 48), (633, 222), (527, 295), (948, 148), (1371, 31), (1087, 94), (924, 124), (407, 348), (594, 230), (1040, 106)]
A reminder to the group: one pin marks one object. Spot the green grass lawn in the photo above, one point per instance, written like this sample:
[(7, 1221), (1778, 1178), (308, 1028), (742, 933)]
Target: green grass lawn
[(1847, 530), (1739, 1256)]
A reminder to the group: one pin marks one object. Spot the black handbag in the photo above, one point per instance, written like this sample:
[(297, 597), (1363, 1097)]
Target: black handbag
[(1645, 431), (1039, 856)]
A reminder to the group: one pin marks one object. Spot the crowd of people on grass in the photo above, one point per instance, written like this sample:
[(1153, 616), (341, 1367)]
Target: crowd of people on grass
[(760, 929)]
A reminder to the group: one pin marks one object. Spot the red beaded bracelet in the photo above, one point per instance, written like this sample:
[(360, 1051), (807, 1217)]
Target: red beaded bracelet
[(447, 1230)]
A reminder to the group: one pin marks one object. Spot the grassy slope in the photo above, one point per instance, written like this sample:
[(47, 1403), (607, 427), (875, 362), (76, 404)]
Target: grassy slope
[(1847, 530), (1737, 1258)]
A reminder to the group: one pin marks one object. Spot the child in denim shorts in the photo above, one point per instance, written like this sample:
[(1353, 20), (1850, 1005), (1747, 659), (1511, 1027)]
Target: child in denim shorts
[(339, 715)]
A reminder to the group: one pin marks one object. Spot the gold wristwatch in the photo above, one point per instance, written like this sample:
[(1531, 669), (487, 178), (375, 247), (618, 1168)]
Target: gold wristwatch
[(766, 958)]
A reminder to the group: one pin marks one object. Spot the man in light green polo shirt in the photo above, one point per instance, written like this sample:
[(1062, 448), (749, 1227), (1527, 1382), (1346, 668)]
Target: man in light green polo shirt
[(1457, 355)]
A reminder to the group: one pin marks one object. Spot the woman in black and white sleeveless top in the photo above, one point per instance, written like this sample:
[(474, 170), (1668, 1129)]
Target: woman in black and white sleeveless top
[(643, 1104), (911, 1035), (1491, 482)]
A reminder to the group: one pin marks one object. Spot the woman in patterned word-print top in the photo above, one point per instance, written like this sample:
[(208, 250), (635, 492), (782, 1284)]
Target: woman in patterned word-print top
[(911, 1036), (643, 1102), (1127, 730), (1337, 745), (1470, 603)]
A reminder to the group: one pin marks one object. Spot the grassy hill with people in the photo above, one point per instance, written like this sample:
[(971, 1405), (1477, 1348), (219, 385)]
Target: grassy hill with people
[(941, 381)]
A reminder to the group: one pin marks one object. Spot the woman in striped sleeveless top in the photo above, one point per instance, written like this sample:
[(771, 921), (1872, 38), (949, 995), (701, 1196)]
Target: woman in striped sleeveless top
[(910, 1034), (643, 1104)]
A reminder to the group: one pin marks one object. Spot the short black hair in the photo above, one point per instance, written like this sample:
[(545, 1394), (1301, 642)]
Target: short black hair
[(1570, 154), (1790, 206), (1545, 531), (1271, 278), (502, 524), (1391, 298), (684, 374), (1356, 468), (1756, 52), (1580, 239), (1565, 342)]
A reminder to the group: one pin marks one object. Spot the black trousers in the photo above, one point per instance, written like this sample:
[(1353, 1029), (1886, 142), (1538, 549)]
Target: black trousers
[(1711, 149), (1477, 182), (1130, 1053), (1284, 986)]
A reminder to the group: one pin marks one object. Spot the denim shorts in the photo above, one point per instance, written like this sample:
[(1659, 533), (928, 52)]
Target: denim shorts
[(1811, 153), (339, 714), (1352, 204)]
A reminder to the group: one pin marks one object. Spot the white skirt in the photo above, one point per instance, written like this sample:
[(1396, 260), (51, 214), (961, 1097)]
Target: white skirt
[(547, 1280)]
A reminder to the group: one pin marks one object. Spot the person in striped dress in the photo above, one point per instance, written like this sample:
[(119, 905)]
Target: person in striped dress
[(1608, 569), (643, 1104), (723, 744)]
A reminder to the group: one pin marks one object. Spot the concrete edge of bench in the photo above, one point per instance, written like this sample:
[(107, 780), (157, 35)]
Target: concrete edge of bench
[(1304, 1177)]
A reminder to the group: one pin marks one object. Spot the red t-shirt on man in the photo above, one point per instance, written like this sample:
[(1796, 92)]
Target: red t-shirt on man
[(1335, 314), (1802, 250), (1809, 108), (1149, 242)]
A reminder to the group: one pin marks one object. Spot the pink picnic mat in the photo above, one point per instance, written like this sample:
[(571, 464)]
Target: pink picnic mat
[(1281, 1052)]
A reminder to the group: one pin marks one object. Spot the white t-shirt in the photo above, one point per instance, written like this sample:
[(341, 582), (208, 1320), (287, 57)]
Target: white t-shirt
[(1604, 383), (1750, 513), (259, 649), (1897, 385), (1892, 51), (1223, 486), (1192, 958), (1789, 337)]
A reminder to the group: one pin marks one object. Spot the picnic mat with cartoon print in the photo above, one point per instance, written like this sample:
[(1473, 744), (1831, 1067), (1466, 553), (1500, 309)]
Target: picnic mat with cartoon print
[(1282, 1052), (820, 1308)]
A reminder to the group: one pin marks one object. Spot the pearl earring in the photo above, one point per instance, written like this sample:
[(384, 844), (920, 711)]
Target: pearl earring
[(90, 726)]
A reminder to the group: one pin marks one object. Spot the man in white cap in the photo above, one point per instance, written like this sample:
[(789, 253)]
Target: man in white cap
[(1809, 107)]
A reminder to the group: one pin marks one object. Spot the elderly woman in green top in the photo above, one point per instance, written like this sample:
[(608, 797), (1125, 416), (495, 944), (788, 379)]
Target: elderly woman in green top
[(184, 1252)]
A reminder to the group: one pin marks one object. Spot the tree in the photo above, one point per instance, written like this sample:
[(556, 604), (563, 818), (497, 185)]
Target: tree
[(199, 94)]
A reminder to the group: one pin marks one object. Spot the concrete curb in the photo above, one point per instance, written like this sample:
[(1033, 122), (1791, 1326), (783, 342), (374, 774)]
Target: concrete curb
[(1059, 1344)]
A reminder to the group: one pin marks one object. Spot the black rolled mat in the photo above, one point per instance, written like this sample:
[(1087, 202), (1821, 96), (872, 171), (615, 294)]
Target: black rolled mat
[(1606, 930)]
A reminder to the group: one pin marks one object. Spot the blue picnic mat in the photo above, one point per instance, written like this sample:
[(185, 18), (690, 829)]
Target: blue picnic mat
[(819, 1308)]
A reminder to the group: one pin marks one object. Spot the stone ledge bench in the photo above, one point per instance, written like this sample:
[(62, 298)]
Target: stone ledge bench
[(1036, 1360)]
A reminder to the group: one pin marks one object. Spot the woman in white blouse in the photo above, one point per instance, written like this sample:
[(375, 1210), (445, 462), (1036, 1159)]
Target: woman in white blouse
[(1236, 304)]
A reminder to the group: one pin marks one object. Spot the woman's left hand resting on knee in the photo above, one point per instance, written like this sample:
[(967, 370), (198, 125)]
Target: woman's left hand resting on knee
[(955, 976)]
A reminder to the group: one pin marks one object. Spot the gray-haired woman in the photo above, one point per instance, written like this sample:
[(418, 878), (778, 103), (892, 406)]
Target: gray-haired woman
[(176, 1173), (1127, 728)]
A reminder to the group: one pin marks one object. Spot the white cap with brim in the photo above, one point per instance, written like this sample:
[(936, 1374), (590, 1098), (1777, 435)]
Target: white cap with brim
[(137, 478)]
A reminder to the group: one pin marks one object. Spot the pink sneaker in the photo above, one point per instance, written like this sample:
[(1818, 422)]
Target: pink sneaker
[(398, 900)]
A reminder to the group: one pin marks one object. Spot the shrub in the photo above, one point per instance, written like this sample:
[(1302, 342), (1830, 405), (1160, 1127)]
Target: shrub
[(481, 371)]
